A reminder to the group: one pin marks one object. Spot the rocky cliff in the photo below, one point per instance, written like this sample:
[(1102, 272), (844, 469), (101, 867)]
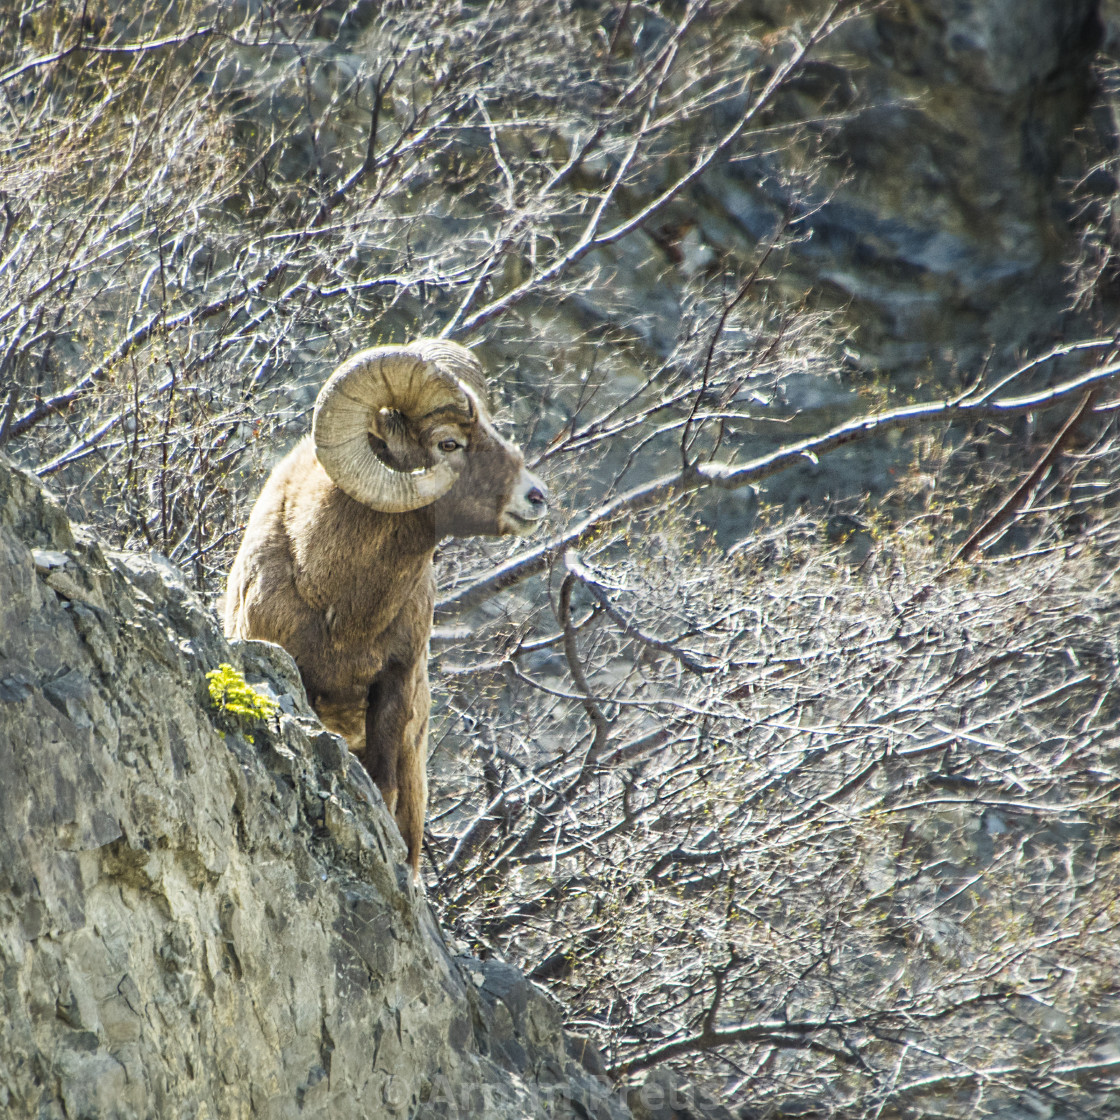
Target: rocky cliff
[(945, 210), (956, 145), (198, 920), (939, 222)]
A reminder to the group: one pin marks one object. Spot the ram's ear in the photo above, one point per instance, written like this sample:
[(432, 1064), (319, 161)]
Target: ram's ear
[(474, 406), (393, 441)]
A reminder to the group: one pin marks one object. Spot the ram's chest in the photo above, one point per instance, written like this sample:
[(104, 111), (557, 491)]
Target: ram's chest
[(368, 630), (358, 646)]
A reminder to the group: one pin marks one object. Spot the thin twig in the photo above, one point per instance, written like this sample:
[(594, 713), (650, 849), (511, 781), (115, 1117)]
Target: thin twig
[(1007, 508)]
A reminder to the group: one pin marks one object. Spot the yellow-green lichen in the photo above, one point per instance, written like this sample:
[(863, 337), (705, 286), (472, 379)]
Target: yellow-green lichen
[(237, 700)]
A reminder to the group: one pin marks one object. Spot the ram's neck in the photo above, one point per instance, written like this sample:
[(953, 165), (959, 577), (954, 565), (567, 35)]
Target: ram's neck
[(381, 561), (357, 563)]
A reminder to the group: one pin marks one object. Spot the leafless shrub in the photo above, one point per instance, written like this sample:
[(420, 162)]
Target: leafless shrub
[(207, 207), (813, 830)]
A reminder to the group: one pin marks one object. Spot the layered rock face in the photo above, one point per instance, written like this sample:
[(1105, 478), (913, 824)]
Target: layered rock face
[(950, 233), (200, 921), (938, 221), (958, 138)]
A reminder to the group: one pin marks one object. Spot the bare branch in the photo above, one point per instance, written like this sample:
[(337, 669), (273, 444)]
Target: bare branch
[(727, 476)]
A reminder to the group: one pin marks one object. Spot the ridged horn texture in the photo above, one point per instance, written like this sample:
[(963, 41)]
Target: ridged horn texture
[(415, 380)]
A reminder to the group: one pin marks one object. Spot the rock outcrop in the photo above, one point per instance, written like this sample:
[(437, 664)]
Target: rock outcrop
[(956, 144), (939, 221), (948, 193), (202, 921)]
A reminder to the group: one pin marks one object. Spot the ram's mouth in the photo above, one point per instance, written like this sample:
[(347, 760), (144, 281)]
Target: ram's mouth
[(513, 524)]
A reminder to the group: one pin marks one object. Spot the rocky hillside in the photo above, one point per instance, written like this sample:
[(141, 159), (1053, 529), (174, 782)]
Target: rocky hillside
[(198, 920)]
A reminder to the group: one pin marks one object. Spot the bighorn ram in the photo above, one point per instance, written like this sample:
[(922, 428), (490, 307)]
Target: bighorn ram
[(336, 562)]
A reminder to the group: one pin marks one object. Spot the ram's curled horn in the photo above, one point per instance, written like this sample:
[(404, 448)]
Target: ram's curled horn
[(451, 358), (414, 380)]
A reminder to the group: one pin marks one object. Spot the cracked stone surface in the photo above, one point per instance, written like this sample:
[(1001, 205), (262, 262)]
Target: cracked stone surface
[(197, 925)]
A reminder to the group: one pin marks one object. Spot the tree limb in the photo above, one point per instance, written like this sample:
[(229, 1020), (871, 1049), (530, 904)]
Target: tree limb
[(727, 476)]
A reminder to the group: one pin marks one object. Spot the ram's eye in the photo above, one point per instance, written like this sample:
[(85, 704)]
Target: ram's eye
[(449, 445)]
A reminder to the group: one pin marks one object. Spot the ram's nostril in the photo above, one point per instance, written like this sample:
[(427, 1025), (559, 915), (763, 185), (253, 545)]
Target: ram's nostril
[(536, 497)]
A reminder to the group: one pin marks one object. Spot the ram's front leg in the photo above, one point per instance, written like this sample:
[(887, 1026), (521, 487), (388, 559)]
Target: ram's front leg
[(396, 748)]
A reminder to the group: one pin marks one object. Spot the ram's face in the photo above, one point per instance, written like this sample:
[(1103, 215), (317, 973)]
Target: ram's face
[(494, 494), (415, 445)]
